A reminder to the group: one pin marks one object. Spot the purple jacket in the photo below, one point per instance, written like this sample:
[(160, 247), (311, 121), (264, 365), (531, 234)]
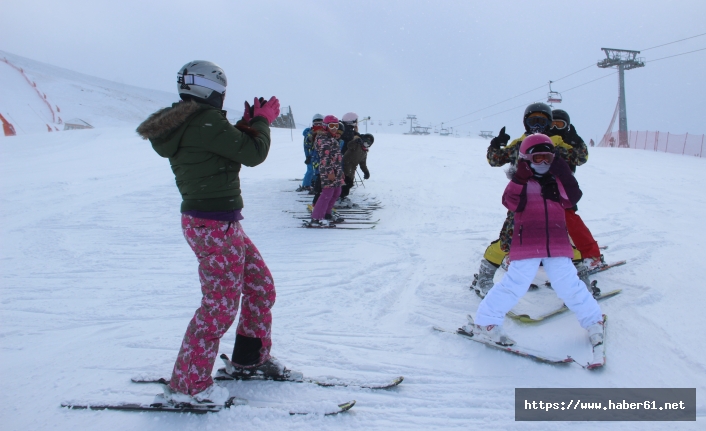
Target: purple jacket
[(540, 223)]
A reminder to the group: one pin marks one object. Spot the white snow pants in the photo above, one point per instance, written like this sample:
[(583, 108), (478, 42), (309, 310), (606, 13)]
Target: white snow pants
[(565, 282)]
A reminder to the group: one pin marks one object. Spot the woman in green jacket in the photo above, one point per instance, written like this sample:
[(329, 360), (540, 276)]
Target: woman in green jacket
[(206, 152)]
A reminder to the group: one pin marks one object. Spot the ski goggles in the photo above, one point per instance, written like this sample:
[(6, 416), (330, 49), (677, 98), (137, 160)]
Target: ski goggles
[(539, 158), (537, 121), (187, 79), (332, 125), (559, 124), (318, 123)]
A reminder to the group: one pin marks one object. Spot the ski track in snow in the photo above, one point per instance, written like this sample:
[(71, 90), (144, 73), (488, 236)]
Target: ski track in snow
[(98, 286)]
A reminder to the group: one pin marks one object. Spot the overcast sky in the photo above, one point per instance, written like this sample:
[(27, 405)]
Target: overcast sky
[(437, 59)]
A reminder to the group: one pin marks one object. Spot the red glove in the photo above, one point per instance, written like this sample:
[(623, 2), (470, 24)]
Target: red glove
[(523, 173), (268, 110)]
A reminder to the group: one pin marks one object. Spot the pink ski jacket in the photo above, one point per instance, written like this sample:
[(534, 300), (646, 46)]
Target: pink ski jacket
[(540, 224)]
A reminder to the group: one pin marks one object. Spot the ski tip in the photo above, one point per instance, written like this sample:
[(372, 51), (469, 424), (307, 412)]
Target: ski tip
[(345, 406), (524, 318), (160, 380), (235, 401), (594, 366)]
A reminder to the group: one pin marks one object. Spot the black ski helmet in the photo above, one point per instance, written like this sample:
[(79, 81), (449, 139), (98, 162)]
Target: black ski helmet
[(560, 114), (541, 108), (538, 107)]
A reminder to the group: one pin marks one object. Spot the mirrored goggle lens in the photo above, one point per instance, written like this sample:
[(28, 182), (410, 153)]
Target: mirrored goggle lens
[(537, 121), (559, 124), (539, 158)]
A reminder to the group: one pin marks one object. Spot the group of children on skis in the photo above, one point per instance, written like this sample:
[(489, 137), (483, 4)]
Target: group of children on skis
[(333, 151), (206, 152)]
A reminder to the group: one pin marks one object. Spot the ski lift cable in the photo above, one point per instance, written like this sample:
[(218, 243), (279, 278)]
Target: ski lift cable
[(580, 70), (521, 94), (675, 55), (665, 44), (577, 86), (574, 73), (524, 105), (593, 80)]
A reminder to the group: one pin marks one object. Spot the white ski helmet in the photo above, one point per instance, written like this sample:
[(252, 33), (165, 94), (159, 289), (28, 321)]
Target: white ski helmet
[(201, 78), (350, 117), (317, 117)]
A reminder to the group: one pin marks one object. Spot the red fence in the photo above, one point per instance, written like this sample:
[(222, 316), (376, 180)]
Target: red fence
[(686, 144), (55, 118)]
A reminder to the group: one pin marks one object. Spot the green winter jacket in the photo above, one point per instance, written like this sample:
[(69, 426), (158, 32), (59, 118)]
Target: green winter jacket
[(205, 152)]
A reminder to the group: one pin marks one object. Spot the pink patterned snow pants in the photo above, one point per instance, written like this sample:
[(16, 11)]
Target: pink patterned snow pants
[(229, 265)]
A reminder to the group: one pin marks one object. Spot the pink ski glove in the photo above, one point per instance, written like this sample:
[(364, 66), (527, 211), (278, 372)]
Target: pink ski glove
[(269, 110)]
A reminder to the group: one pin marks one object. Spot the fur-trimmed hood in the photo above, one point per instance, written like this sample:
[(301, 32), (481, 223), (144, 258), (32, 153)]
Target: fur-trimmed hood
[(161, 127), (165, 127), (166, 120)]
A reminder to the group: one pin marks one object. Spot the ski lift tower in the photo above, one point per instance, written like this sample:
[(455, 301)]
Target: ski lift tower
[(624, 60), (412, 119)]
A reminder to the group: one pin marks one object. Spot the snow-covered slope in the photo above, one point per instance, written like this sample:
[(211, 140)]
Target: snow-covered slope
[(71, 95), (98, 285)]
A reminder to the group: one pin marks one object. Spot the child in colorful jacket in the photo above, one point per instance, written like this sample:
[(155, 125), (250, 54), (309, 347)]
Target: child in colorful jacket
[(330, 172), (540, 190)]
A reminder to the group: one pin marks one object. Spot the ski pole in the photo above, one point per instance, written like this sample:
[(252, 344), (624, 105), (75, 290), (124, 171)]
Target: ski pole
[(361, 180)]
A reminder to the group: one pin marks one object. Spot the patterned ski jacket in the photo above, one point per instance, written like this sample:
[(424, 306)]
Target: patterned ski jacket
[(206, 152), (574, 155), (539, 206), (330, 160), (356, 155)]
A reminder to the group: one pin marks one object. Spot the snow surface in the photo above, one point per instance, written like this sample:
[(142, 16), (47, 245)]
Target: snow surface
[(98, 285)]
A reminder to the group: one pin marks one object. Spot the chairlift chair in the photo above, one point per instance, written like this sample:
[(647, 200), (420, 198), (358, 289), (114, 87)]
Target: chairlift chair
[(553, 96)]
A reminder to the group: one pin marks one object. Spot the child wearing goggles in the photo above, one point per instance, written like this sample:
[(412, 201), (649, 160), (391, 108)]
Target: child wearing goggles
[(539, 201)]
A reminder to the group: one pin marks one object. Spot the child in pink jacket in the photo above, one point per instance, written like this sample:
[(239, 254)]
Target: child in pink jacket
[(540, 190)]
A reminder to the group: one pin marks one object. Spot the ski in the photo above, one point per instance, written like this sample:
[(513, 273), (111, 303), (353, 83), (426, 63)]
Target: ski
[(306, 226), (526, 318), (310, 208), (599, 358), (606, 267), (161, 405), (348, 220), (520, 351), (361, 217), (223, 375), (293, 377), (229, 373)]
